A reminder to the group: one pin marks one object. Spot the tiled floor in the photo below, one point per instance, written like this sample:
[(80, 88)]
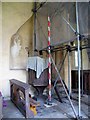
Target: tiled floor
[(61, 110)]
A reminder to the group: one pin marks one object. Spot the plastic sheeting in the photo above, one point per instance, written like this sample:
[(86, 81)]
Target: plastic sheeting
[(60, 31), (83, 11)]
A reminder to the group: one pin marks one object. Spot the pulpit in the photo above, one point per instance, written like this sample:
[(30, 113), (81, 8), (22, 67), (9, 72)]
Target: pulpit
[(38, 73)]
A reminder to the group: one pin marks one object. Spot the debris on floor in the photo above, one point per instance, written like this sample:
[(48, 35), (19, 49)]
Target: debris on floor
[(59, 110)]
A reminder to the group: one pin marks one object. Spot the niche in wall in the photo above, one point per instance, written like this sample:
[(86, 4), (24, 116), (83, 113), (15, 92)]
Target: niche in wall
[(21, 40)]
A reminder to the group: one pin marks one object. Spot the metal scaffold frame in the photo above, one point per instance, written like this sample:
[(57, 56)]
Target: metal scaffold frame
[(57, 47)]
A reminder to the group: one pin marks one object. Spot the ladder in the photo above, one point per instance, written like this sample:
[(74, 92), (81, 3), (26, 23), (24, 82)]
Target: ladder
[(72, 106), (59, 90)]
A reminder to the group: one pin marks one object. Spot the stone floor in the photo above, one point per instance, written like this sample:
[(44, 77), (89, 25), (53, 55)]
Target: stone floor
[(60, 110), (11, 111)]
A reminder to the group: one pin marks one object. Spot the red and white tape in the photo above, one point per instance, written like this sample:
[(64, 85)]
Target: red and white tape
[(49, 59)]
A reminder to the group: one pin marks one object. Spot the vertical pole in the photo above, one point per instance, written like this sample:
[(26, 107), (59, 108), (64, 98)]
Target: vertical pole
[(69, 78), (49, 59), (79, 89), (69, 63), (35, 5), (82, 68)]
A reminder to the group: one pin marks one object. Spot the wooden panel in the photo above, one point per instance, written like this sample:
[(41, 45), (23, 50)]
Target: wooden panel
[(20, 97), (41, 81), (86, 80)]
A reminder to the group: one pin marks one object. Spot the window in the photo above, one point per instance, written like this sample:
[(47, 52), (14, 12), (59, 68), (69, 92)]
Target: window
[(76, 58)]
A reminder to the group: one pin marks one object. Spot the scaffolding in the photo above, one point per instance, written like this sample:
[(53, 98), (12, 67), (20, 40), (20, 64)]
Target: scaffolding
[(78, 35)]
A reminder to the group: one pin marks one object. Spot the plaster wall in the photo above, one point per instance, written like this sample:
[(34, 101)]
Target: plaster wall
[(15, 17), (0, 44)]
